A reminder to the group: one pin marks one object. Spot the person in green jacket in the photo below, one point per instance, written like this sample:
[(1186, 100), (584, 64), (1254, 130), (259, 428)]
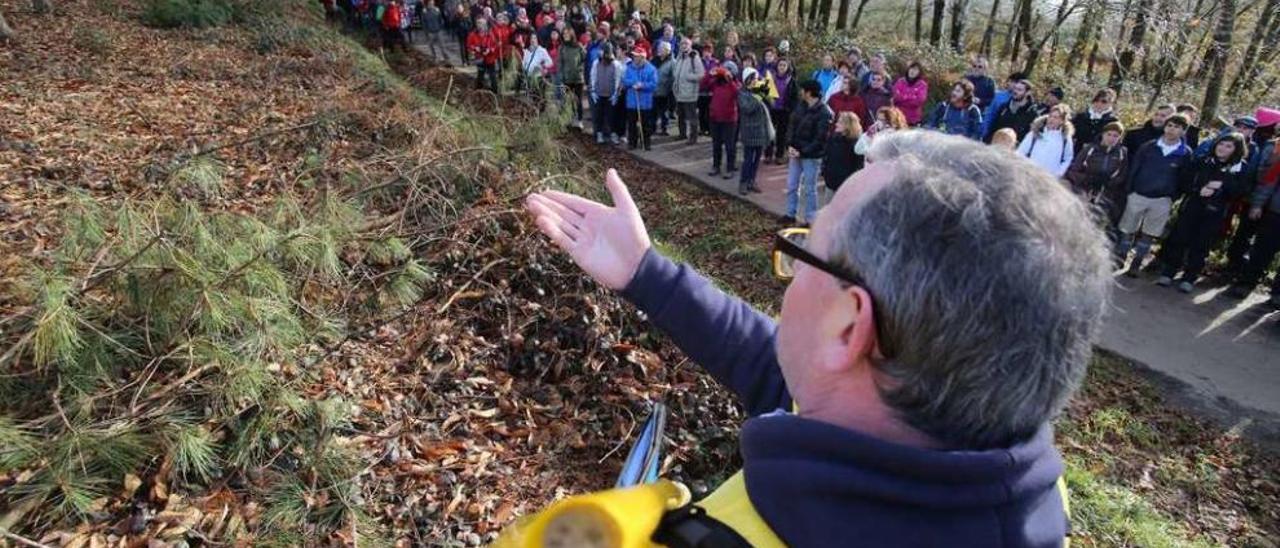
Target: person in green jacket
[(569, 60)]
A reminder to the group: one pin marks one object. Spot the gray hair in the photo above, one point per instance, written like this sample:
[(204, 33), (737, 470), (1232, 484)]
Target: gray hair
[(990, 280)]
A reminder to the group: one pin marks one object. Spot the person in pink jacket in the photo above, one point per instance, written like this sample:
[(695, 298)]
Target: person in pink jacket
[(910, 93)]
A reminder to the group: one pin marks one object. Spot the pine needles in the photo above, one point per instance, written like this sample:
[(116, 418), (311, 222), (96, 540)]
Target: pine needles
[(167, 341)]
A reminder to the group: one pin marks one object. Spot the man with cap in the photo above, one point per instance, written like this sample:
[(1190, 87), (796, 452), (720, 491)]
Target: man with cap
[(639, 81)]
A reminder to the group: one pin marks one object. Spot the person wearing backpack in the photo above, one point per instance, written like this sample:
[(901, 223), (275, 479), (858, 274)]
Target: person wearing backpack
[(755, 130), (1210, 184), (1098, 172), (958, 115), (1048, 143)]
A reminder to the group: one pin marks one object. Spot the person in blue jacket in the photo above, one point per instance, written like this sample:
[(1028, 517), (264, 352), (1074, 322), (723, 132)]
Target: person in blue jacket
[(957, 115), (940, 313), (638, 84), (1154, 184), (826, 74)]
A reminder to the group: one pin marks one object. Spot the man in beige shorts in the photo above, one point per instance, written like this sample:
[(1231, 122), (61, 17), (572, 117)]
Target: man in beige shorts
[(1154, 173)]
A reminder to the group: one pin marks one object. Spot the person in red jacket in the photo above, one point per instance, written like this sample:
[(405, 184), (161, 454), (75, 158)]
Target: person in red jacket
[(722, 83), (605, 12), (848, 100), (484, 48), (392, 36)]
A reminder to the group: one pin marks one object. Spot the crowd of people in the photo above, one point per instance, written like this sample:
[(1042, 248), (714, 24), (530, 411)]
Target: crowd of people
[(1166, 182)]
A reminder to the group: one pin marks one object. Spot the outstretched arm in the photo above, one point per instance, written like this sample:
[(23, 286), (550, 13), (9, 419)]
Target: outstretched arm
[(733, 341)]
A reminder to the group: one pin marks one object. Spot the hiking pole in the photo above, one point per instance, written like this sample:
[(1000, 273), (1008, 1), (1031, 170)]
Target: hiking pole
[(639, 118)]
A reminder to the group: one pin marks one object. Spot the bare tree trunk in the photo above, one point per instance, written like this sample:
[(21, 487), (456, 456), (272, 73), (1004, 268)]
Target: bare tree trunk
[(1093, 60), (825, 10), (768, 8), (857, 16), (842, 19), (1010, 31), (800, 12), (1250, 65), (1034, 48), (989, 34), (919, 20), (702, 11), (1084, 36), (1024, 28), (684, 13), (1218, 70), (959, 13), (5, 31), (935, 31), (1120, 70)]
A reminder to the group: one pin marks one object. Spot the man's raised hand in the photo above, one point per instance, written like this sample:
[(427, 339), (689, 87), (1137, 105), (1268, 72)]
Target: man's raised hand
[(606, 242)]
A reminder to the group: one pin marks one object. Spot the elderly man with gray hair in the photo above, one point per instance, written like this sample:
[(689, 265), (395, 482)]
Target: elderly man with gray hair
[(940, 313)]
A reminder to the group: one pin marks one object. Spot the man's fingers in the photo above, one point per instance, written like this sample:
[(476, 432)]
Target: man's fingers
[(553, 231), (574, 202), (618, 190), (565, 213)]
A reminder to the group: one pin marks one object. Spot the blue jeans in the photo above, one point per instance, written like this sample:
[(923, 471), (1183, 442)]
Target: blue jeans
[(750, 164), (803, 172)]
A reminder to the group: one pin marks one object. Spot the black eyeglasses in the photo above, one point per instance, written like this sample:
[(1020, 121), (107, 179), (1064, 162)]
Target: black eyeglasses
[(788, 247)]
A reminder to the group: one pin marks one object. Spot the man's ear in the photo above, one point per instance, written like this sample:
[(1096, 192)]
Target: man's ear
[(856, 319), (859, 334)]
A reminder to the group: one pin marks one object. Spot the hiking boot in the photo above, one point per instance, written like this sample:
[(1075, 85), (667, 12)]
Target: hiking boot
[(599, 139), (1238, 291), (714, 171), (1185, 286), (753, 188), (1164, 281), (787, 220), (742, 190), (727, 175)]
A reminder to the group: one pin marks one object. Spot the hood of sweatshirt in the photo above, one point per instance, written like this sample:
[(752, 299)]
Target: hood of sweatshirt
[(817, 484)]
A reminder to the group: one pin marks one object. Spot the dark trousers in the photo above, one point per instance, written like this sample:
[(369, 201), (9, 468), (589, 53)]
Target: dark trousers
[(1264, 251), (780, 120), (704, 114), (750, 165), (575, 95), (1240, 242), (602, 117), (1194, 234), (464, 56), (639, 127), (487, 76), (662, 111), (724, 137), (687, 120)]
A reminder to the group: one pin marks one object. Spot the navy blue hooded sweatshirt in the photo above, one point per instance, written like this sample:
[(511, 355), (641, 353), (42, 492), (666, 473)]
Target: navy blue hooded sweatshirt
[(817, 484), (1154, 175)]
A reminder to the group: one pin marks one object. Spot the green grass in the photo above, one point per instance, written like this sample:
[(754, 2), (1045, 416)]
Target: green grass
[(1106, 514)]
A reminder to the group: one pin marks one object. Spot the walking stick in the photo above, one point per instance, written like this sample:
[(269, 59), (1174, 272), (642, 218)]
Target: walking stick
[(639, 118)]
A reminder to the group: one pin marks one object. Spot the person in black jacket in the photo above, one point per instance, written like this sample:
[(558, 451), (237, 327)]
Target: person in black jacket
[(808, 129), (1089, 123), (1210, 184), (1018, 113), (1150, 131), (841, 160)]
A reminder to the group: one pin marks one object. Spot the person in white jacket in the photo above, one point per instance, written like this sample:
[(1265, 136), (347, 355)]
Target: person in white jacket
[(536, 64), (1048, 144)]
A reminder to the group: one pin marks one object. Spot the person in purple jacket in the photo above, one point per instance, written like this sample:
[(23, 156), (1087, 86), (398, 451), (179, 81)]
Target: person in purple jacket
[(940, 313)]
